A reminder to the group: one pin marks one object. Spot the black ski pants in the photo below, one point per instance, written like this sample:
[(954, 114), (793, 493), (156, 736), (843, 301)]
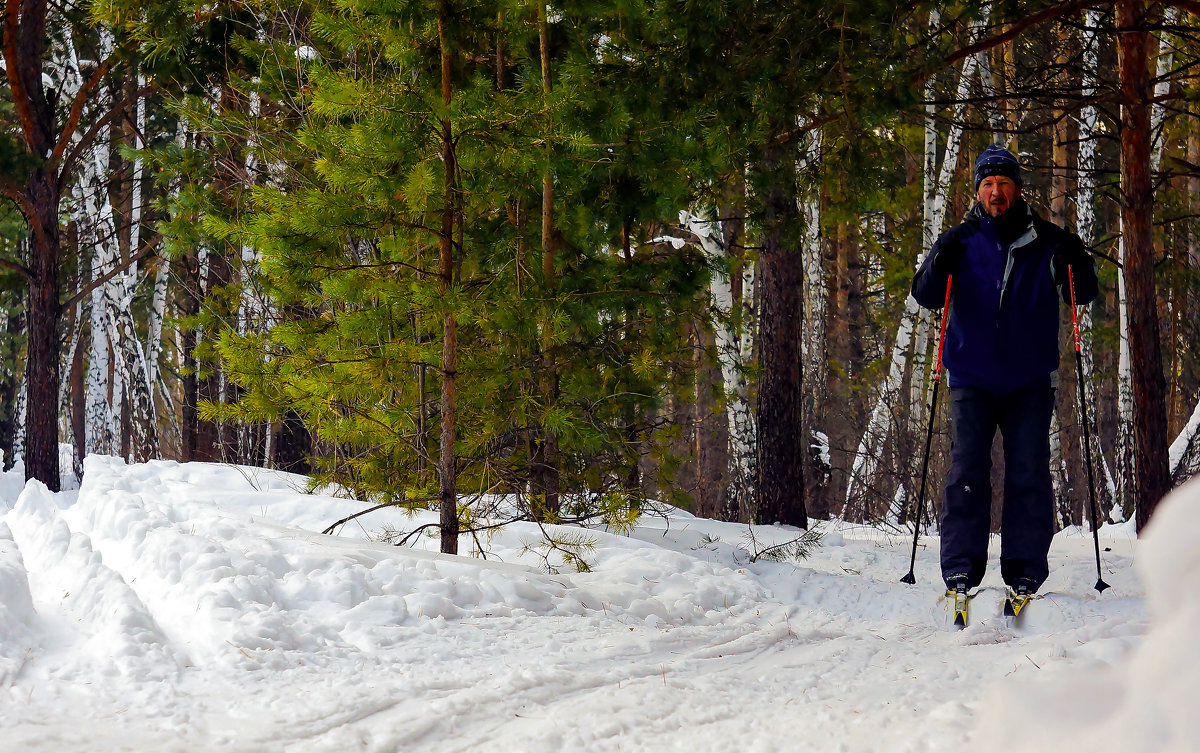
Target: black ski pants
[(1027, 524)]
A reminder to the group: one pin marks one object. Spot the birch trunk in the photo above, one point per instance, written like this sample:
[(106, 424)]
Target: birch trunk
[(733, 302), (814, 343), (1067, 463), (1184, 452), (1085, 222), (870, 447), (712, 434)]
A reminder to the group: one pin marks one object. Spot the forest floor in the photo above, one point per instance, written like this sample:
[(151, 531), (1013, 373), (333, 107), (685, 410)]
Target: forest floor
[(167, 607)]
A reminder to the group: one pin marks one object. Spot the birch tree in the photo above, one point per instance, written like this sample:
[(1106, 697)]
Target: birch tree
[(1085, 223), (870, 447), (51, 141), (732, 279)]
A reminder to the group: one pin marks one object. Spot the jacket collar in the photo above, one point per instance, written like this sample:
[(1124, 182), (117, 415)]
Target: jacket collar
[(1021, 230)]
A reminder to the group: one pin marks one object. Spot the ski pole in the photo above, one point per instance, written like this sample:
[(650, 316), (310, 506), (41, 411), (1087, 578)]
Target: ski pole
[(937, 381), (1087, 443)]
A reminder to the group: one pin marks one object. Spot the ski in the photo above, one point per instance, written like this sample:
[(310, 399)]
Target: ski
[(960, 599), (1014, 603)]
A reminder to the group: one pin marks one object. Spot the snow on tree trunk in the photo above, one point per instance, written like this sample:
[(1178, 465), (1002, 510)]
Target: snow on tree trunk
[(1185, 450)]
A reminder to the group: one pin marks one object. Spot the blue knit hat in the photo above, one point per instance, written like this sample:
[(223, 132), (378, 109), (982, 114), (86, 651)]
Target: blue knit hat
[(996, 160)]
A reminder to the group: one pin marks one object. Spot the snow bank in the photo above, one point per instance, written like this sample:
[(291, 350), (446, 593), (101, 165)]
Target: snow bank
[(222, 558), (1146, 702), (197, 608), (17, 618)]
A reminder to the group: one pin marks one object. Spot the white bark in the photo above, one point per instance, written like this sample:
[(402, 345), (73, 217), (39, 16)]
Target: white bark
[(116, 365), (1185, 450), (814, 356), (1158, 111), (929, 233), (19, 413), (866, 458), (1126, 458), (154, 330), (1085, 213), (733, 348)]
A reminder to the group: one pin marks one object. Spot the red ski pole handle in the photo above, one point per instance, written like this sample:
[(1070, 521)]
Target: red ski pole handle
[(1074, 316), (937, 372)]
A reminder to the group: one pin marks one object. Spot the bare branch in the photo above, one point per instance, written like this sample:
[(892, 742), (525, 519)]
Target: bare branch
[(1013, 31), (6, 264), (77, 112), (86, 140), (87, 289), (329, 531)]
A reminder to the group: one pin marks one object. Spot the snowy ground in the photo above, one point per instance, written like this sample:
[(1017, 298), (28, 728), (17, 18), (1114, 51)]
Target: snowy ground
[(168, 607)]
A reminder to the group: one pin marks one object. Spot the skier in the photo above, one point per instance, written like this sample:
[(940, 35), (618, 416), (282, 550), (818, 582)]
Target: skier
[(1009, 269)]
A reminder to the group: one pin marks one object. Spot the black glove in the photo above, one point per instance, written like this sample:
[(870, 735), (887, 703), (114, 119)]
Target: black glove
[(1069, 254), (947, 254)]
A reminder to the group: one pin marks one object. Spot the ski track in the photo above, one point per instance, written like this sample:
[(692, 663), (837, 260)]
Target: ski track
[(166, 617)]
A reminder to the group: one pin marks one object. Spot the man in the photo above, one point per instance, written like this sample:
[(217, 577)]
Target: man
[(1010, 269)]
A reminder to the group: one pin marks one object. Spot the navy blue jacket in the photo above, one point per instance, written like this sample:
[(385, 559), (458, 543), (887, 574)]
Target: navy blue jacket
[(1003, 328)]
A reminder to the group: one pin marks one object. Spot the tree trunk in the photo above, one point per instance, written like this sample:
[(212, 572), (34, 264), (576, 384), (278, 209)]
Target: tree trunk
[(448, 461), (10, 386), (861, 479), (720, 397), (1069, 473), (845, 354), (76, 403), (1137, 212), (712, 427), (24, 46), (1085, 214), (545, 461), (292, 445), (195, 444), (42, 372), (781, 448), (815, 361)]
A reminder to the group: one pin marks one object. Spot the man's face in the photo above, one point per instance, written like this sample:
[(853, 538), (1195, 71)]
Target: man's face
[(997, 193)]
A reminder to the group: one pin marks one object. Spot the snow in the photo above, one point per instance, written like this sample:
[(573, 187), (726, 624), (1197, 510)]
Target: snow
[(173, 607), (1146, 702)]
